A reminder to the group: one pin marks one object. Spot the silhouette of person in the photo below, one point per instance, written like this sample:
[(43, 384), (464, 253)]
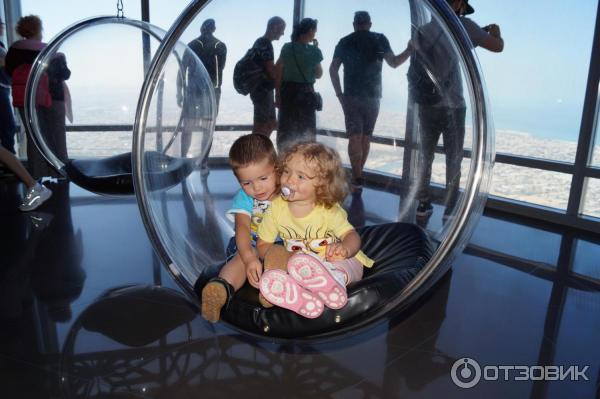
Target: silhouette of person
[(265, 120), (441, 104), (361, 53), (213, 54), (52, 119), (298, 67), (18, 62), (7, 119)]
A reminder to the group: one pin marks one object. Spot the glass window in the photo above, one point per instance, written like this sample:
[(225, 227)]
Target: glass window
[(537, 108), (391, 18), (591, 198), (537, 186), (57, 15), (238, 25)]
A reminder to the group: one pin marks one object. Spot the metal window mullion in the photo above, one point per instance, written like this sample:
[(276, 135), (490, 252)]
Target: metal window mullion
[(299, 7), (145, 8), (586, 133)]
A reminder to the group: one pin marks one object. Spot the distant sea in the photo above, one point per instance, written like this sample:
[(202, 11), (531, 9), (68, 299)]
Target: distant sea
[(557, 121)]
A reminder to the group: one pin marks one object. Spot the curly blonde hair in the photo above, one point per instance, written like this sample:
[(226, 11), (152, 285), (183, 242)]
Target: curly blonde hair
[(331, 187), (29, 26)]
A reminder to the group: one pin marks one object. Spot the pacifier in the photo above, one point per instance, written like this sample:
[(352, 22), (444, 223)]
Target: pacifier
[(286, 191)]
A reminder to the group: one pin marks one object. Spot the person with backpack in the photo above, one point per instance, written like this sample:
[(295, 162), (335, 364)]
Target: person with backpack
[(435, 85), (212, 53), (255, 74)]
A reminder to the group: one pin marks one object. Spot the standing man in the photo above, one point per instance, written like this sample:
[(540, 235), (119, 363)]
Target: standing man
[(362, 54), (442, 107), (212, 53), (263, 98)]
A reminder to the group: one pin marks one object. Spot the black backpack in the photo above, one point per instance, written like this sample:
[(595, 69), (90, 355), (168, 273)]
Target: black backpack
[(248, 75), (208, 55)]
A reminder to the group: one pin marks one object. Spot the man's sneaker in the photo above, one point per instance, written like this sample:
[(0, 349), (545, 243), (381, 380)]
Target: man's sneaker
[(424, 209), (35, 197)]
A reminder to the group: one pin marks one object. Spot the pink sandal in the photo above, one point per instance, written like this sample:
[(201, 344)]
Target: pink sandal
[(280, 289), (311, 274)]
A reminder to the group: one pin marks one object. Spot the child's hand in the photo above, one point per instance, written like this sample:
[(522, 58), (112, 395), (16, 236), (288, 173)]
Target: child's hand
[(336, 251), (253, 272)]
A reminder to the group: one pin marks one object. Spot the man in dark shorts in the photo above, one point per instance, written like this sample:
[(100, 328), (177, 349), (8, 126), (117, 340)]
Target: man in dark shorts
[(361, 53), (263, 99)]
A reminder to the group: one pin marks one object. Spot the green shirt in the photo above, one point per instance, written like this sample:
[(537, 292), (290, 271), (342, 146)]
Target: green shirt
[(307, 56)]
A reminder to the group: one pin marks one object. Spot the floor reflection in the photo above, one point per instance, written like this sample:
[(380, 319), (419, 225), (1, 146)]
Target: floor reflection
[(520, 293)]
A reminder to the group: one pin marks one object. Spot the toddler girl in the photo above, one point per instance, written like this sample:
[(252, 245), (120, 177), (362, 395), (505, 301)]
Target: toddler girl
[(314, 227)]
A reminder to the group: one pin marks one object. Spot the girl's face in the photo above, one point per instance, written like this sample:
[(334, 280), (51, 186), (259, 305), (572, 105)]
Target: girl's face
[(300, 178), (258, 179)]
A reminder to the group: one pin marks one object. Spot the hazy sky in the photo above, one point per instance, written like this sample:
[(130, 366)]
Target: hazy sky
[(543, 69)]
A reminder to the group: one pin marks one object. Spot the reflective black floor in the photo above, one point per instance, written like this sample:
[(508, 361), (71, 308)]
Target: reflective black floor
[(81, 316)]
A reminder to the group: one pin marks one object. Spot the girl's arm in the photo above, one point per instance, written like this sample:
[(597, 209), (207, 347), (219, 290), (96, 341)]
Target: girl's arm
[(347, 248), (243, 240)]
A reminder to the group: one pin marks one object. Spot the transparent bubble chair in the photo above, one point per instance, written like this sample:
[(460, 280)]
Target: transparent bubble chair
[(411, 243), (90, 76)]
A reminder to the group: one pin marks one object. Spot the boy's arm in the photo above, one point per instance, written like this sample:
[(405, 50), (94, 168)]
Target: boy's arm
[(243, 240)]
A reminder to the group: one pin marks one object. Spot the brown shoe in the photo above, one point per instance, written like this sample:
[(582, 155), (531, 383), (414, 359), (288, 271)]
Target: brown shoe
[(214, 297)]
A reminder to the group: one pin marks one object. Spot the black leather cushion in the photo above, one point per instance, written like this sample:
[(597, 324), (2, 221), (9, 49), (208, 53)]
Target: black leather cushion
[(113, 175), (399, 250)]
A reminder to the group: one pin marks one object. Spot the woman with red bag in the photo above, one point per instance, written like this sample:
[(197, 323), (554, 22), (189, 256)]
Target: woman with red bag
[(19, 60)]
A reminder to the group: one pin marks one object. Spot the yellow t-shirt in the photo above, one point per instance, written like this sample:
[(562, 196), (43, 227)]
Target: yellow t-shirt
[(311, 233)]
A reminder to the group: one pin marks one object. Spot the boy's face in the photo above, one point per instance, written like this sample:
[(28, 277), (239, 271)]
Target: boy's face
[(300, 178), (258, 179)]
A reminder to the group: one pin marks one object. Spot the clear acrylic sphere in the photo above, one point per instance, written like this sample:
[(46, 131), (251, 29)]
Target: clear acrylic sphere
[(90, 76), (187, 223)]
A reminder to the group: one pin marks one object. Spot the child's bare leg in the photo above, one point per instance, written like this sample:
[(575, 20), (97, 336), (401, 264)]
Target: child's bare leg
[(234, 272), (217, 292)]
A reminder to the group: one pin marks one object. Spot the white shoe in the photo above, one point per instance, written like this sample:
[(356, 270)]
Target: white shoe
[(35, 197)]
